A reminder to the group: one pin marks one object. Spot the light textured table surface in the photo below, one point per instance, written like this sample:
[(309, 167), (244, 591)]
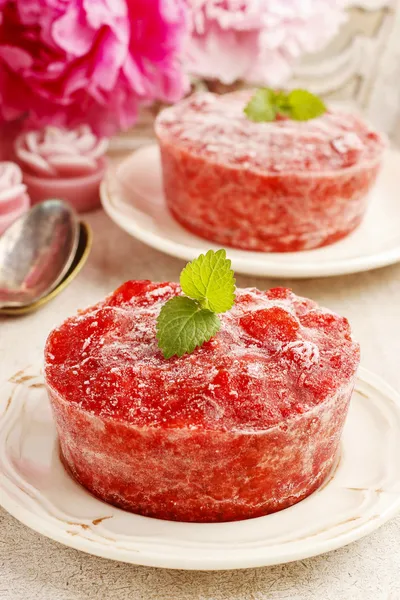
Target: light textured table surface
[(33, 567)]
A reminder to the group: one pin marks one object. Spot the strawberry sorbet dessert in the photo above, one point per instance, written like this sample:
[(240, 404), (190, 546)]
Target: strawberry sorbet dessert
[(247, 424), (279, 186)]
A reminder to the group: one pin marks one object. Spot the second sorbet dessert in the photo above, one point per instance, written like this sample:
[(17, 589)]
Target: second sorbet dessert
[(278, 186), (246, 425)]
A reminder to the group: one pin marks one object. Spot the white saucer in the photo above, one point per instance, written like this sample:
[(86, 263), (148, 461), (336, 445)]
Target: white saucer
[(361, 494), (133, 197)]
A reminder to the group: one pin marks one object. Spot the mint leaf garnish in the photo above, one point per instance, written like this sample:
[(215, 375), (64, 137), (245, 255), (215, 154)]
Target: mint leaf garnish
[(262, 106), (299, 105), (305, 106), (185, 323), (210, 280)]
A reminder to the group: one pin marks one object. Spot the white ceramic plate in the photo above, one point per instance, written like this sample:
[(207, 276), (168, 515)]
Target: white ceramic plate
[(132, 195), (361, 494)]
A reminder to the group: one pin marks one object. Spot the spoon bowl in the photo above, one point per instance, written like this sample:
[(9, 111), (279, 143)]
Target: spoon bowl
[(82, 254), (36, 253)]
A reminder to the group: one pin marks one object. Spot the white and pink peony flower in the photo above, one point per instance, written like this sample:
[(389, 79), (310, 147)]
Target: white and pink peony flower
[(257, 40)]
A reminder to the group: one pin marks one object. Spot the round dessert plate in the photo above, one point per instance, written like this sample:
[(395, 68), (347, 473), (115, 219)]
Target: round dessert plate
[(132, 195), (361, 494)]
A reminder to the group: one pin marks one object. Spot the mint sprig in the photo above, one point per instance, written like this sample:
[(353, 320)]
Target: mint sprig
[(186, 322), (183, 325), (262, 106), (210, 280), (299, 105)]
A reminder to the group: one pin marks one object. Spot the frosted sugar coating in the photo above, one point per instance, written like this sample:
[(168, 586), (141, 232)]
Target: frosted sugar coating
[(215, 127), (291, 358)]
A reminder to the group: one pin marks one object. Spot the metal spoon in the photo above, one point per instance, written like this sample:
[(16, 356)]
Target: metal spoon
[(81, 256), (36, 252)]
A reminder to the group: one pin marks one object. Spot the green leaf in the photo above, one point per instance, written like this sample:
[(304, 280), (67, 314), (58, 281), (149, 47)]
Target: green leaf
[(183, 325), (262, 106), (282, 104), (210, 280), (305, 106), (299, 105)]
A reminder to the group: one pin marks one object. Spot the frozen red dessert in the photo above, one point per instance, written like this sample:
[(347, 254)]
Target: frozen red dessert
[(247, 424), (275, 186)]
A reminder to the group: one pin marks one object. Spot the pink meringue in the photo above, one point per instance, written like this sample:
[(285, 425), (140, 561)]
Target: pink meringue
[(14, 200), (62, 163)]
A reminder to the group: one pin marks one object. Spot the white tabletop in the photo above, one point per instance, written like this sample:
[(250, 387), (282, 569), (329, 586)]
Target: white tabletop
[(33, 567)]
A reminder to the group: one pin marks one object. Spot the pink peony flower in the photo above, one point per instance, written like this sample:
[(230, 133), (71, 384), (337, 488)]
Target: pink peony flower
[(257, 40), (67, 62)]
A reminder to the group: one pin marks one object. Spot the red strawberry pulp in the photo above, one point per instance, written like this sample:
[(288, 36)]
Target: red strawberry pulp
[(280, 186), (248, 424)]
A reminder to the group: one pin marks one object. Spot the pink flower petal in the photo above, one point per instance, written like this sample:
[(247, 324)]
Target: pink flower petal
[(109, 58), (231, 52), (279, 32), (71, 33), (70, 61), (15, 58), (113, 13)]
